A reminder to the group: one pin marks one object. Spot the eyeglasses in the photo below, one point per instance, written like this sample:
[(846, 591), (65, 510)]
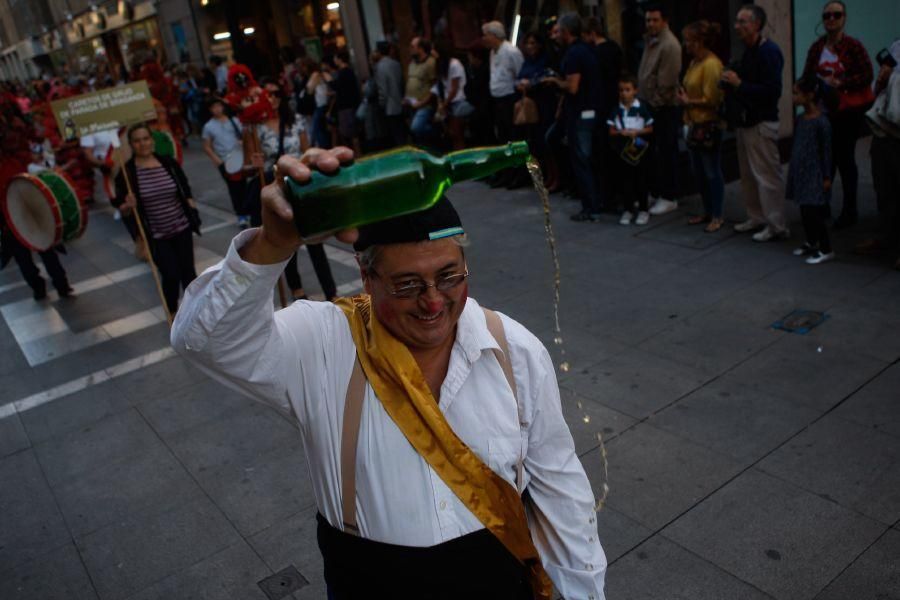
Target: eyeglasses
[(832, 16), (413, 288)]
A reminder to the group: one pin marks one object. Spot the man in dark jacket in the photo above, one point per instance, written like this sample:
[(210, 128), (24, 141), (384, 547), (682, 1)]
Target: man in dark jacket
[(752, 92)]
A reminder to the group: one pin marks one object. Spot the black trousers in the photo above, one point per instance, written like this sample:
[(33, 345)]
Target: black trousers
[(815, 228), (475, 567), (320, 264), (845, 130), (631, 182), (29, 270), (174, 258), (667, 123), (885, 154), (237, 191)]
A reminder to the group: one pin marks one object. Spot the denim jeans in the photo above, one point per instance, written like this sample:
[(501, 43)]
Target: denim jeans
[(580, 133), (421, 127), (707, 167), (319, 136)]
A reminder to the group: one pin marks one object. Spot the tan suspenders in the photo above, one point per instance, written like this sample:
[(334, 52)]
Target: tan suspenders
[(353, 415)]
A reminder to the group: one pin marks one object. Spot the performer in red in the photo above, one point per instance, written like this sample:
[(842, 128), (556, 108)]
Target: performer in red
[(165, 99)]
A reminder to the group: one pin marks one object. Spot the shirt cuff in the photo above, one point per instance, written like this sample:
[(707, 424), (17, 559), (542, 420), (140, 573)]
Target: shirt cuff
[(250, 271)]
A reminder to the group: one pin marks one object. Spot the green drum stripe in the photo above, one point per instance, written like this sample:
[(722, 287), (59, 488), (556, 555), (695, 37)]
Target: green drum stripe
[(67, 203)]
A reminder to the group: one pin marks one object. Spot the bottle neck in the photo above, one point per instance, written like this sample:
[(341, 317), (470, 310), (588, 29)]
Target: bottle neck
[(475, 163)]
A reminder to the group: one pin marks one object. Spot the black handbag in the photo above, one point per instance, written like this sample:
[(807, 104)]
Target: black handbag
[(704, 136)]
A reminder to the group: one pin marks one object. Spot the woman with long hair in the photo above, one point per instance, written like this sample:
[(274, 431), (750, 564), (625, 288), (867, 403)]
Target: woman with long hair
[(285, 134), (701, 97), (160, 195), (843, 63), (449, 91)]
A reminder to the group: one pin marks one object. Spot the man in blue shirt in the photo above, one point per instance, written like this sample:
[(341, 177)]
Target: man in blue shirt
[(752, 92), (579, 116)]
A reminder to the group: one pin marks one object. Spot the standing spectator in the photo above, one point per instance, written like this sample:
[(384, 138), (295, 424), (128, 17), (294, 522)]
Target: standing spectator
[(318, 88), (701, 97), (162, 198), (629, 127), (421, 73), (346, 99), (581, 93), (809, 176), (222, 141), (388, 78), (284, 135), (752, 91), (478, 93), (220, 70), (505, 62), (843, 63), (884, 120), (658, 76), (531, 82), (450, 93)]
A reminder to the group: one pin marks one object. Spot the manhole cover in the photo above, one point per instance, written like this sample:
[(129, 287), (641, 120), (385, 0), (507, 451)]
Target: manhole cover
[(282, 583), (801, 321)]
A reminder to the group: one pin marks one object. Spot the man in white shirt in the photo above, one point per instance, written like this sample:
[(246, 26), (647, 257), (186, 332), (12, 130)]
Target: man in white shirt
[(424, 417), (506, 62), (222, 143)]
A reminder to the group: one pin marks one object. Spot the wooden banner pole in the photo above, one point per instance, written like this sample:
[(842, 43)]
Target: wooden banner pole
[(153, 269)]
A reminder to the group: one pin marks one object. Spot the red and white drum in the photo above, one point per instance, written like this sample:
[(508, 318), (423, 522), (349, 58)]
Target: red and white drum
[(43, 210)]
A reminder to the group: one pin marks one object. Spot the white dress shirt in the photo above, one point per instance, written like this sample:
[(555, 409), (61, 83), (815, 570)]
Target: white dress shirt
[(299, 360), (506, 61)]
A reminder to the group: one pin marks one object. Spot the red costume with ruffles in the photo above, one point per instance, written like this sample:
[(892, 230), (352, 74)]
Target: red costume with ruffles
[(249, 101), (165, 100)]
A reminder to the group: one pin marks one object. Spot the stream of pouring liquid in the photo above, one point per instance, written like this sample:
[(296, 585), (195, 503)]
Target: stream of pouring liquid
[(534, 169)]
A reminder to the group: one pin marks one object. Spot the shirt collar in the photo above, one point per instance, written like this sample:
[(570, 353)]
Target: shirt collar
[(637, 104), (472, 335)]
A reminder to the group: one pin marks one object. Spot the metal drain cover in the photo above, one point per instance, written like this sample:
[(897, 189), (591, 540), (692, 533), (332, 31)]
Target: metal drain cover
[(801, 321), (284, 582)]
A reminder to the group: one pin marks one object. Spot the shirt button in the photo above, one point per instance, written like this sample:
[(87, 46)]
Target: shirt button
[(443, 504), (591, 540)]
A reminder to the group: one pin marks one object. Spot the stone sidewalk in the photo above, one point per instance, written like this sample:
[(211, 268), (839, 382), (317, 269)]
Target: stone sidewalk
[(743, 461)]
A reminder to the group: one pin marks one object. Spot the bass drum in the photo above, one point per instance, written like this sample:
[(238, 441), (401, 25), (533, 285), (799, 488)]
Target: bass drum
[(164, 144), (43, 211)]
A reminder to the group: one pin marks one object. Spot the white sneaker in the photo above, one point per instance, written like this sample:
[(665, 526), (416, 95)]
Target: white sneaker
[(643, 218), (626, 217), (748, 225), (768, 234), (652, 200), (663, 206), (804, 250), (819, 258)]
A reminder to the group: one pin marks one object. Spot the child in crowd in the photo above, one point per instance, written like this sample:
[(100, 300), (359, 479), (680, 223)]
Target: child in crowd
[(38, 162), (809, 175), (629, 125)]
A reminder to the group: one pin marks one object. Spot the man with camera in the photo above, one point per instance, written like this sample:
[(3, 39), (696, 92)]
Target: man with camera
[(752, 91)]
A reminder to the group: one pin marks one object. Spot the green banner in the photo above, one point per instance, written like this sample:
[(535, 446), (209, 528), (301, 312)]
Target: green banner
[(106, 109)]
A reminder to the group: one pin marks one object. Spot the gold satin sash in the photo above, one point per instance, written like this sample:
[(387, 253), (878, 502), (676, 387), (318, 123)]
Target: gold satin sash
[(401, 387)]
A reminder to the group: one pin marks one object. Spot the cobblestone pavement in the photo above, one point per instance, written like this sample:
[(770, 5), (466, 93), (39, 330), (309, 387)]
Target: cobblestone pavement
[(744, 461)]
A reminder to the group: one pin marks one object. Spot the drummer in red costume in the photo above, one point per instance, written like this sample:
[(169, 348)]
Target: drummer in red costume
[(15, 133)]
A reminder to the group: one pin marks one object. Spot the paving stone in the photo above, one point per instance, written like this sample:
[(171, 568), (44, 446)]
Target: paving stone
[(634, 382), (827, 285), (798, 369), (100, 306), (74, 411), (32, 524), (876, 404), (117, 438), (189, 406), (659, 568), (128, 555), (292, 541), (159, 379), (860, 330), (147, 483), (601, 420), (654, 476), (618, 534), (12, 435), (56, 575), (739, 423), (781, 539), (850, 464), (231, 573), (875, 574), (711, 341), (678, 233)]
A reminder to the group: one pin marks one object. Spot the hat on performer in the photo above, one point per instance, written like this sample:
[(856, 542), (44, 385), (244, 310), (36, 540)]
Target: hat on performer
[(439, 221)]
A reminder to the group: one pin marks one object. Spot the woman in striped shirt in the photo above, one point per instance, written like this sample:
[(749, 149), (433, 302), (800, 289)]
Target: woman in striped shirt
[(162, 197)]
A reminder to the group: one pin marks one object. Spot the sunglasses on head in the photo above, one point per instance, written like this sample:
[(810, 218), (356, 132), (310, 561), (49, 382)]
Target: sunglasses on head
[(828, 16)]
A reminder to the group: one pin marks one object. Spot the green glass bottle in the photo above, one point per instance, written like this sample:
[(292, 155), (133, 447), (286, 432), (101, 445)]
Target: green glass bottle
[(390, 184)]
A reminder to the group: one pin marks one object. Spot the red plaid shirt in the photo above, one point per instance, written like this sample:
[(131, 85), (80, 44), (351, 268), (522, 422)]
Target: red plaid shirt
[(857, 65)]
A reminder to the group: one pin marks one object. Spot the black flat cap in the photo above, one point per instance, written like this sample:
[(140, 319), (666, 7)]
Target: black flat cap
[(439, 221)]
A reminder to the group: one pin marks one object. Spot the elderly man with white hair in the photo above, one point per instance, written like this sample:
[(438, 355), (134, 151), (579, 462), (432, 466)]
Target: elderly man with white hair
[(506, 60)]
